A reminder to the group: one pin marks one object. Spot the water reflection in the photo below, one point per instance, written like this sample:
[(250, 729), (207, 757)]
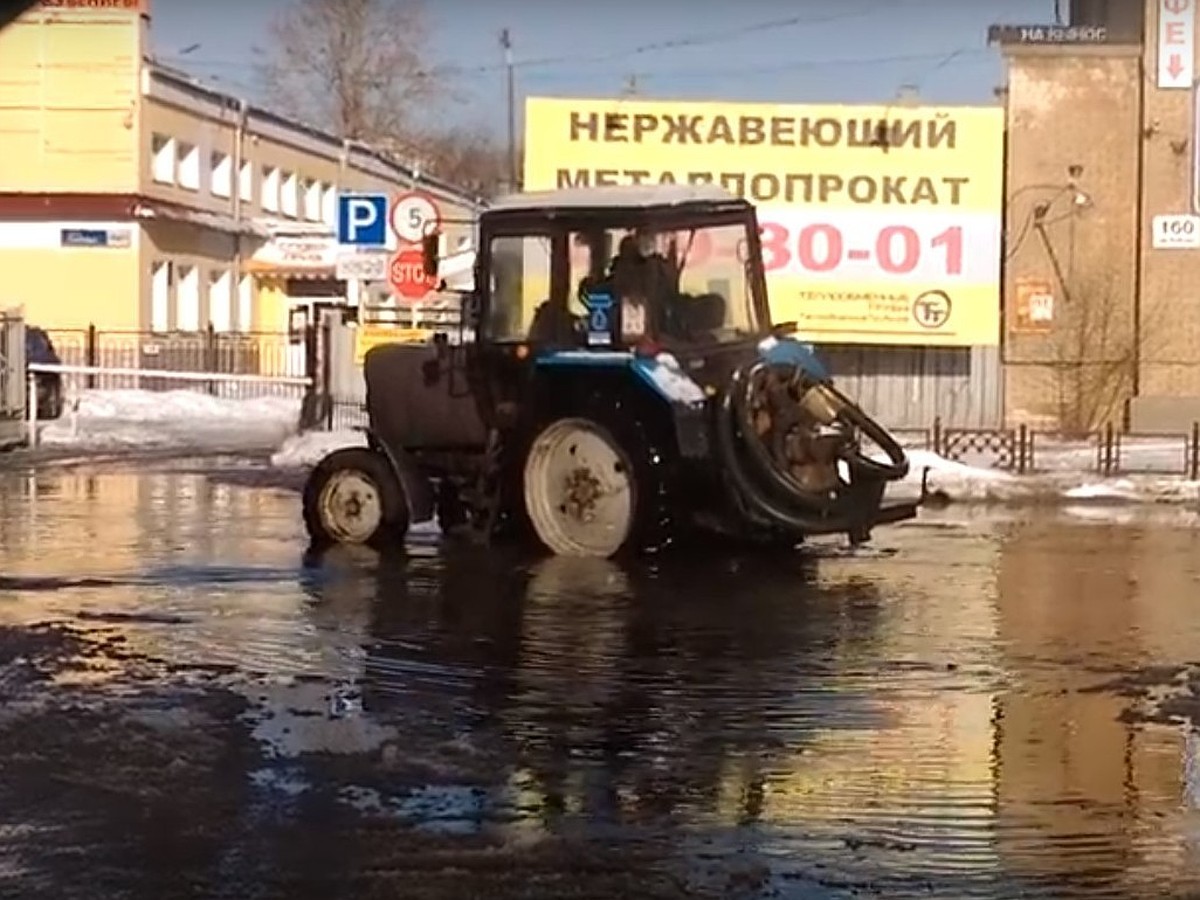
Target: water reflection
[(1073, 769), (923, 722)]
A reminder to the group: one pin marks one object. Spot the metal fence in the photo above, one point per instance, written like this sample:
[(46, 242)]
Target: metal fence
[(909, 387), (12, 377), (1028, 451), (122, 357)]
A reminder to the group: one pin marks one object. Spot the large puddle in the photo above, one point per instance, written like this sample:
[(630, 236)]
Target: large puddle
[(977, 707)]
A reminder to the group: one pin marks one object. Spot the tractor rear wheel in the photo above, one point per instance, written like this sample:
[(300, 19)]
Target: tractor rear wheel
[(353, 497), (581, 490)]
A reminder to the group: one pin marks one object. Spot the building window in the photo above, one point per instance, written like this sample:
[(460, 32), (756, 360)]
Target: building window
[(270, 189), (220, 300), (311, 190), (163, 150), (290, 195), (246, 182), (189, 166), (160, 297), (187, 299), (245, 304), (220, 174), (329, 206)]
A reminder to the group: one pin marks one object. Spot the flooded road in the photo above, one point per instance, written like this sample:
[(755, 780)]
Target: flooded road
[(991, 707)]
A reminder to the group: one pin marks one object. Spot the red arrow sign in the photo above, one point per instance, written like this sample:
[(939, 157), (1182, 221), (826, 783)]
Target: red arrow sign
[(1174, 65), (406, 274), (1176, 6)]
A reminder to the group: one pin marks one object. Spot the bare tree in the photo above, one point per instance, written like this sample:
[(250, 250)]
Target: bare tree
[(357, 67), (353, 66), (1095, 355), (471, 158), (1097, 346)]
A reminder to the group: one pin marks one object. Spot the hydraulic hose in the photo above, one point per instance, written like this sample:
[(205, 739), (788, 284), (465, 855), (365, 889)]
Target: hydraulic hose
[(897, 465), (776, 503), (758, 502), (780, 479)]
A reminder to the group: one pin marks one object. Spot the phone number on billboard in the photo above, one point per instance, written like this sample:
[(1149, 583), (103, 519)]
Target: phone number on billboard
[(893, 250)]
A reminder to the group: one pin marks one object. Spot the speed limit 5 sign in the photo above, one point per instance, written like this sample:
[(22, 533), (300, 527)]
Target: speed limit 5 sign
[(1175, 232), (413, 215)]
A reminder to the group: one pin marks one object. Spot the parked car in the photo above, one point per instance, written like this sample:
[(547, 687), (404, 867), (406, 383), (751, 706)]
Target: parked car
[(40, 349)]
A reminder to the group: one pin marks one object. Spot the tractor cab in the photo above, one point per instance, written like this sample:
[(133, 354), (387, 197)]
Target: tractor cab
[(665, 267)]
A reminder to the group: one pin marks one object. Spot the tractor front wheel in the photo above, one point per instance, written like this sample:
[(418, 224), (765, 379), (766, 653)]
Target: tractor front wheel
[(353, 497), (581, 491)]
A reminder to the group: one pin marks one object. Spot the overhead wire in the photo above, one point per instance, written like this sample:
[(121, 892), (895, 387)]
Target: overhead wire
[(700, 39), (689, 72)]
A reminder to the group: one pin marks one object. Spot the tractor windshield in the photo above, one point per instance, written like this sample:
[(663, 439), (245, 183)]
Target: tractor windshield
[(678, 286), (674, 285)]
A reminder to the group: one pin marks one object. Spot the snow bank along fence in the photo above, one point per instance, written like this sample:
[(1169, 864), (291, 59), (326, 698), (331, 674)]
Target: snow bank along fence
[(1023, 450), (218, 384), (152, 361)]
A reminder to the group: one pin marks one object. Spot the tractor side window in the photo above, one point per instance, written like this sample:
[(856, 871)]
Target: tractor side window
[(520, 267), (715, 298)]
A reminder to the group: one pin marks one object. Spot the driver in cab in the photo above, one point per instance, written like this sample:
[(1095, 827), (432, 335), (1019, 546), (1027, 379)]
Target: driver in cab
[(644, 281)]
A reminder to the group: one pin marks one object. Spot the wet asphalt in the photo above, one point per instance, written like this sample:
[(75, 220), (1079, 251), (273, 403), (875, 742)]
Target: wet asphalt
[(981, 705)]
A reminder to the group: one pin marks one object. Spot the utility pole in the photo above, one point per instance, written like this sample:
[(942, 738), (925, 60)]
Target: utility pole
[(506, 44)]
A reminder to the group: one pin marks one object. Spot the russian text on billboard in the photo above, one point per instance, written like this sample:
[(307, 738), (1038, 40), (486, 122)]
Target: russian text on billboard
[(879, 225)]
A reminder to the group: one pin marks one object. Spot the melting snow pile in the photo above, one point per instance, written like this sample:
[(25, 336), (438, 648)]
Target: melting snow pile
[(1065, 473), (308, 448), (186, 420)]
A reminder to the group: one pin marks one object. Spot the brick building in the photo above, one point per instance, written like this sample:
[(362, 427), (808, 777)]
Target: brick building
[(1099, 323)]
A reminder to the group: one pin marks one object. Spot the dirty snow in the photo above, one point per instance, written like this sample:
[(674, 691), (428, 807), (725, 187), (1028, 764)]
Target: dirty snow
[(306, 449), (1066, 474), (183, 419)]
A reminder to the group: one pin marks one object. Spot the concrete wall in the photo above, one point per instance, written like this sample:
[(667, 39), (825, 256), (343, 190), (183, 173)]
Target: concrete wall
[(68, 90), (69, 286), (1073, 152), (1170, 303), (1127, 321)]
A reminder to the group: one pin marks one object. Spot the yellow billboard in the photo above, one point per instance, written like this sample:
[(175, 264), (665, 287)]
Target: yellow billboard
[(880, 224)]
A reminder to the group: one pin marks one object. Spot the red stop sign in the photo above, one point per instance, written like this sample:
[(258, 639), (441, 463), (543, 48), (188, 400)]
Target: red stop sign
[(406, 274)]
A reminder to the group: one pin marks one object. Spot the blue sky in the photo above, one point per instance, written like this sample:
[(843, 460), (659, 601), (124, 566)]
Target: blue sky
[(851, 51)]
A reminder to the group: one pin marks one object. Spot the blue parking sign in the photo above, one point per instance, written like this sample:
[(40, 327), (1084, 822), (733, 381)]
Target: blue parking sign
[(362, 219)]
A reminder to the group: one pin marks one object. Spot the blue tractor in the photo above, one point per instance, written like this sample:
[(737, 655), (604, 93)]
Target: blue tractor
[(617, 386)]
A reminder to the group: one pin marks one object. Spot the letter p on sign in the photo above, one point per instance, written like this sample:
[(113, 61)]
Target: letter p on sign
[(362, 219)]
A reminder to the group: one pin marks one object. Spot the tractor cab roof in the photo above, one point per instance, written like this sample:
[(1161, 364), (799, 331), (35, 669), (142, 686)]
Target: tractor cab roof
[(617, 204)]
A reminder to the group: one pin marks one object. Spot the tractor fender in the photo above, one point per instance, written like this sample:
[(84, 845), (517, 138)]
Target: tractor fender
[(418, 492), (791, 352)]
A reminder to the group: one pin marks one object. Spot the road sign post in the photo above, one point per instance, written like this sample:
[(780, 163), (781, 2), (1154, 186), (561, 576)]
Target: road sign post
[(406, 274), (362, 220), (412, 215)]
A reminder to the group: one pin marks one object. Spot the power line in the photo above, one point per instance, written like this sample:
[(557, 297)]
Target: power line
[(698, 72), (694, 40), (801, 65), (714, 37)]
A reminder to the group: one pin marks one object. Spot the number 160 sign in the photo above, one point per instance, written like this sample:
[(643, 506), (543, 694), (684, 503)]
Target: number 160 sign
[(1175, 232)]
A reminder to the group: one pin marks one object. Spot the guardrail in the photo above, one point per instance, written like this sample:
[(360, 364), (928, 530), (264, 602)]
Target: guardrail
[(207, 378)]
